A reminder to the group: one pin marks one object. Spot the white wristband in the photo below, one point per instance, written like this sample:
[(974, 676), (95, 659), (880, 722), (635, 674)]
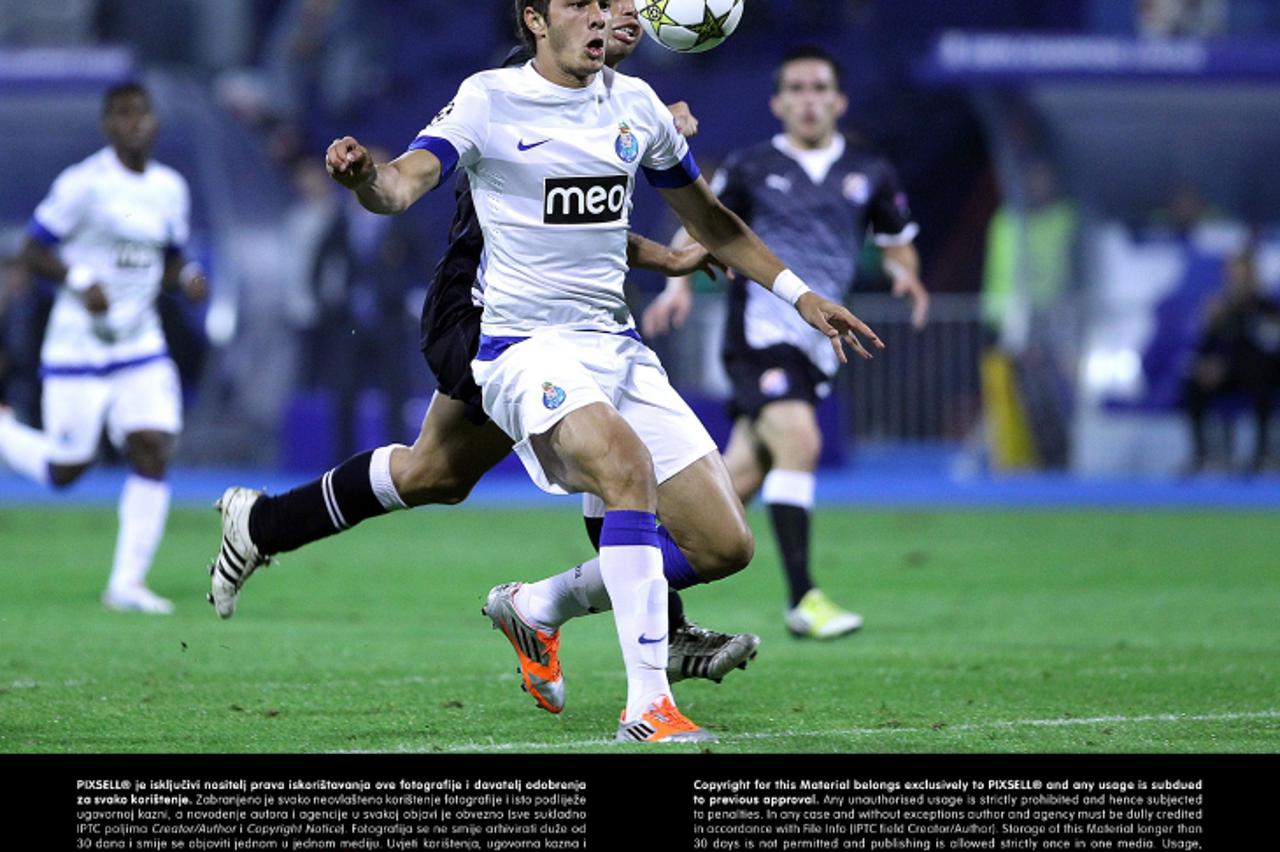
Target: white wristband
[(79, 278), (788, 287)]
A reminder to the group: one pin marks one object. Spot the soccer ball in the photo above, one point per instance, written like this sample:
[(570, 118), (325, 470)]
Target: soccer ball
[(689, 26)]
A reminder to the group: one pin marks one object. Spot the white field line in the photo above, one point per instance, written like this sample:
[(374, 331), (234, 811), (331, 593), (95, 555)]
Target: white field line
[(569, 745)]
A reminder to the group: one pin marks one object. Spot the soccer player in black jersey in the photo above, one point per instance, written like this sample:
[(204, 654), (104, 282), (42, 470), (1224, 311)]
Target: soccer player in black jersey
[(813, 194), (458, 443)]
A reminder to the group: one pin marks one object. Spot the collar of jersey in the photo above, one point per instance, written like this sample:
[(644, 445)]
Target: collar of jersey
[(817, 163), (113, 160), (542, 84), (835, 150)]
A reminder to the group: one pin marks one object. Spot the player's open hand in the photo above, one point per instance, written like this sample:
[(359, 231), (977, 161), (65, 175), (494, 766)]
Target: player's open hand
[(909, 287), (686, 124), (349, 163), (195, 286), (95, 299), (669, 310), (839, 324)]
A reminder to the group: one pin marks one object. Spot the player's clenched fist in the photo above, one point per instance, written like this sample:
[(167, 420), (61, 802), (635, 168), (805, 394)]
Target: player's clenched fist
[(349, 163)]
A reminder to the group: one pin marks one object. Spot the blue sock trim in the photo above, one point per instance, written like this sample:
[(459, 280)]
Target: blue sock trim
[(626, 528), (678, 571)]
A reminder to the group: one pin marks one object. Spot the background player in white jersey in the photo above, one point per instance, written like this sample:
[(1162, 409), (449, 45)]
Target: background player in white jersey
[(112, 230), (458, 444), (552, 149), (813, 194)]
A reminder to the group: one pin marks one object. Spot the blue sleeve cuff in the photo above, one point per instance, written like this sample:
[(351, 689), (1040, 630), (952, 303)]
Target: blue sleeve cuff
[(41, 234), (444, 151), (681, 174)]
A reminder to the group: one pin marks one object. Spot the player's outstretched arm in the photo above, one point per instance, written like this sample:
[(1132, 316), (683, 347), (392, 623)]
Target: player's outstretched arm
[(382, 187), (644, 253), (902, 264), (725, 235)]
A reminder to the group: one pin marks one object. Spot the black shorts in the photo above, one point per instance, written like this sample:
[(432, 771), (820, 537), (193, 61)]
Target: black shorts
[(449, 350), (762, 376)]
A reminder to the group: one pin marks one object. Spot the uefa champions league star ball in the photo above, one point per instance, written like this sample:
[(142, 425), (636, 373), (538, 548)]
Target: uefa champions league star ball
[(689, 26)]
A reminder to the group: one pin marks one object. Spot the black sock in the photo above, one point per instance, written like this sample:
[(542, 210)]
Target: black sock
[(791, 528), (675, 612), (594, 526), (339, 500)]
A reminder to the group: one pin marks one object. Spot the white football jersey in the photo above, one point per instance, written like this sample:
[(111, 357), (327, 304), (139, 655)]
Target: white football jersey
[(119, 223), (552, 170)]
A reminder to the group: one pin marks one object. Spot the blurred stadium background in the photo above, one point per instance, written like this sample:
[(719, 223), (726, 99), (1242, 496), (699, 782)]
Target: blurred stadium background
[(1082, 171)]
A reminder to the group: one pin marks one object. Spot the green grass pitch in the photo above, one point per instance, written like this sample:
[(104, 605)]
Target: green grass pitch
[(987, 631)]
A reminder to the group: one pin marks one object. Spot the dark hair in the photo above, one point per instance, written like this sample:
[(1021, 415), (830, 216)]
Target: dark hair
[(808, 52), (123, 90), (542, 7)]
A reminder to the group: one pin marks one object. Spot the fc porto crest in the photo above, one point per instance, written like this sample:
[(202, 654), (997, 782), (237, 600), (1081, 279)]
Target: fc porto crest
[(774, 382), (627, 146), (857, 188), (552, 396)]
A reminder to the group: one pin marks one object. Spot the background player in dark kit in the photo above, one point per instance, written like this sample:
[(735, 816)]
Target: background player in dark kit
[(812, 193)]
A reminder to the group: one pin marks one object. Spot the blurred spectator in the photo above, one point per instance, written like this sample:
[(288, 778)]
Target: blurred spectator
[(325, 53), (1027, 305), (1238, 354), (354, 271), (1185, 211), (1030, 246), (1180, 18), (65, 22)]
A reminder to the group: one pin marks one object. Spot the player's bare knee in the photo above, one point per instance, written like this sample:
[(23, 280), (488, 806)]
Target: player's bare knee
[(150, 452), (798, 450), (731, 552), (63, 475)]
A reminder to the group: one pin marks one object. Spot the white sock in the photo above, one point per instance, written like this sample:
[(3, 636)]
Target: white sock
[(569, 594), (631, 567), (144, 508), (24, 450), (380, 479), (789, 488), (638, 590)]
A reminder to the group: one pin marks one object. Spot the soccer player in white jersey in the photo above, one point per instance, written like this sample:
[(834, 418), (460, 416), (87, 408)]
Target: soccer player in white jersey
[(458, 444), (552, 149), (112, 231)]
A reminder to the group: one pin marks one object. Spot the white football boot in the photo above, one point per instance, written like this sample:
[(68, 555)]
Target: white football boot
[(136, 599), (238, 557)]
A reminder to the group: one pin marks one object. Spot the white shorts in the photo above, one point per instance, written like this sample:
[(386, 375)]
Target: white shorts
[(147, 397), (532, 385)]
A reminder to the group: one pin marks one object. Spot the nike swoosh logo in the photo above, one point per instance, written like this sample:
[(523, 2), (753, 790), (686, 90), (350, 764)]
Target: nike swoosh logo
[(645, 640), (523, 147)]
